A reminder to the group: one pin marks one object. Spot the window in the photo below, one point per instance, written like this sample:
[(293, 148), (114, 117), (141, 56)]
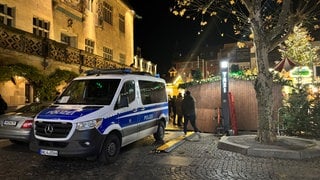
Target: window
[(69, 40), (41, 27), (107, 13), (152, 92), (107, 54), (121, 23), (129, 90), (89, 46), (6, 15), (65, 39), (122, 58)]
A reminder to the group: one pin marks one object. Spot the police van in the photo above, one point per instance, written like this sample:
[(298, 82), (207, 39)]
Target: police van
[(101, 112)]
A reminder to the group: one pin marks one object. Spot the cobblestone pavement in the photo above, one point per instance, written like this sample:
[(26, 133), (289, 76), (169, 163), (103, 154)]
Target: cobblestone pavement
[(191, 160)]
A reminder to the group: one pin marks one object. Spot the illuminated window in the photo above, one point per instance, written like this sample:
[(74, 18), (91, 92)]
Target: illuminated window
[(121, 23), (107, 54), (107, 13), (69, 40), (6, 15), (41, 27), (89, 46), (65, 39)]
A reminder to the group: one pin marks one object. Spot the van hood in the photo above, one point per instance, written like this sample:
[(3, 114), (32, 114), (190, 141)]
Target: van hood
[(70, 113)]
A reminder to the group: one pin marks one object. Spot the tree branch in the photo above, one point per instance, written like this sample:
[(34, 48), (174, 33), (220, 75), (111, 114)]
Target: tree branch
[(248, 4)]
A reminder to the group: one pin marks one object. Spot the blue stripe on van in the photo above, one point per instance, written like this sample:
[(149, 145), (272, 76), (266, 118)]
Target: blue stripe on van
[(136, 117)]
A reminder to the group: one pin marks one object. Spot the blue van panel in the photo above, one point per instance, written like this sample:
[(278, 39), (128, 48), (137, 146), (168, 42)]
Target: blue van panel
[(136, 118), (65, 114)]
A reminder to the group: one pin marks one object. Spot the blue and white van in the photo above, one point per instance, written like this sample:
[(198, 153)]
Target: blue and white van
[(99, 113)]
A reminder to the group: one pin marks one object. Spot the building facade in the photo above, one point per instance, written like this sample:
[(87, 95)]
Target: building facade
[(207, 61), (72, 35)]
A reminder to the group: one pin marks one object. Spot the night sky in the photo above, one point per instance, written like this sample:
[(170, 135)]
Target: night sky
[(161, 35)]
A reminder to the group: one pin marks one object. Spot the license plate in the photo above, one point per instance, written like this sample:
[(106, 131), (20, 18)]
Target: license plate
[(9, 123), (48, 152)]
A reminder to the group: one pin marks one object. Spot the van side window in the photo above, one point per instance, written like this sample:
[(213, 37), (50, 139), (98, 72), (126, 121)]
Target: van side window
[(152, 92), (128, 91)]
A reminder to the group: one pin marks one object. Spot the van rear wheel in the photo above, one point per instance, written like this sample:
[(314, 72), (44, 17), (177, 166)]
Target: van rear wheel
[(159, 135), (110, 150)]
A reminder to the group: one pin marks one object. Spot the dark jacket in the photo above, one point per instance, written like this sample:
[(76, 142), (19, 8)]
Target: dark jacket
[(179, 105), (3, 105), (188, 105)]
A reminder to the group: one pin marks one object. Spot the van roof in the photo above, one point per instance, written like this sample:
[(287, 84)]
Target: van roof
[(98, 72), (118, 74)]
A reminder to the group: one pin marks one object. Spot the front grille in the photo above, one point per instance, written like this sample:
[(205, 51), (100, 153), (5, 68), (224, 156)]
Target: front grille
[(52, 129), (53, 144)]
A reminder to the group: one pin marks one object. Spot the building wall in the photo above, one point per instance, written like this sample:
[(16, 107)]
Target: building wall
[(13, 92), (62, 15), (67, 17), (207, 67), (87, 26), (84, 25), (26, 10)]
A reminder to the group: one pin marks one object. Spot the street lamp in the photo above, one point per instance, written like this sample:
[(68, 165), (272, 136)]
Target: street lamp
[(224, 64)]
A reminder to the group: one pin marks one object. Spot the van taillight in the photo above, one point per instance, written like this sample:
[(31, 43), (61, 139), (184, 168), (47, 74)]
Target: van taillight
[(27, 124)]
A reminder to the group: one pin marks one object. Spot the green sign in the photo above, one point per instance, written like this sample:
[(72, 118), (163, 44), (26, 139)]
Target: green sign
[(302, 71)]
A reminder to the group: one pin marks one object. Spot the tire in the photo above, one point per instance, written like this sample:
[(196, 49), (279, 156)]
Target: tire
[(110, 149), (159, 135)]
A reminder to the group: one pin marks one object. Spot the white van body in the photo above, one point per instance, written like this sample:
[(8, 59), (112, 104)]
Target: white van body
[(99, 113)]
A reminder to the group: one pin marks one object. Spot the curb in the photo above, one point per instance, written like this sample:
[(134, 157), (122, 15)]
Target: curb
[(224, 144), (174, 143), (268, 151)]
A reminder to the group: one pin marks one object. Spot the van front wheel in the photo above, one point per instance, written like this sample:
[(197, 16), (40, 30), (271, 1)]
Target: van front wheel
[(159, 135), (110, 150)]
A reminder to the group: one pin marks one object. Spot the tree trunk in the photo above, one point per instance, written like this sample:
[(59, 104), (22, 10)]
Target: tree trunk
[(263, 87)]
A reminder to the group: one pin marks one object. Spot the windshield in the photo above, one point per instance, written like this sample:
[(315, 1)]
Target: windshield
[(90, 92)]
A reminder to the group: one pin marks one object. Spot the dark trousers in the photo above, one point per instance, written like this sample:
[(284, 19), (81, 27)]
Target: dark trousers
[(192, 119), (179, 120), (174, 118)]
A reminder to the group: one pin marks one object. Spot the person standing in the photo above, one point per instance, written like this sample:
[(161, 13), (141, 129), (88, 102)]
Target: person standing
[(170, 106), (174, 112), (179, 109), (3, 105), (189, 112)]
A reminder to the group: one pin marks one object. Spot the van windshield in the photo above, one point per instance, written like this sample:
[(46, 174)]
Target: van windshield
[(90, 92)]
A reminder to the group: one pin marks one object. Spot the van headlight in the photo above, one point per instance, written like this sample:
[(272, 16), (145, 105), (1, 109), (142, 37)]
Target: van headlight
[(81, 126)]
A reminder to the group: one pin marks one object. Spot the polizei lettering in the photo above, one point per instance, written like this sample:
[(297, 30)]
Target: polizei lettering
[(62, 112)]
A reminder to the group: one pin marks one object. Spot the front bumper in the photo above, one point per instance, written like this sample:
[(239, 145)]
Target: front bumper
[(81, 144)]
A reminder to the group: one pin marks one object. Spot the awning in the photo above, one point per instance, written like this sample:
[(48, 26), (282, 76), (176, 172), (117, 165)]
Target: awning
[(285, 64)]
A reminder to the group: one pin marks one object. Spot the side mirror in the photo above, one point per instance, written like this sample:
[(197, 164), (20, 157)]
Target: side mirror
[(123, 101)]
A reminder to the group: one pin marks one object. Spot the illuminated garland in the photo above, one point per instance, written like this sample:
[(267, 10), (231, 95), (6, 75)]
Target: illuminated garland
[(239, 75)]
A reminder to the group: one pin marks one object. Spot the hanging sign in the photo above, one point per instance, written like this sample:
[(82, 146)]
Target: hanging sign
[(301, 71)]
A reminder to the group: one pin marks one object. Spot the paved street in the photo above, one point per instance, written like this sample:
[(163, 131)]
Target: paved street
[(191, 160)]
